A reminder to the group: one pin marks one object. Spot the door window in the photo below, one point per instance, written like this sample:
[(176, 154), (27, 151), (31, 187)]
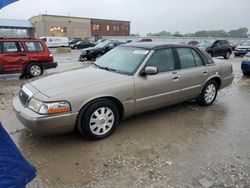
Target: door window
[(163, 60), (198, 60), (186, 58), (34, 46), (11, 47)]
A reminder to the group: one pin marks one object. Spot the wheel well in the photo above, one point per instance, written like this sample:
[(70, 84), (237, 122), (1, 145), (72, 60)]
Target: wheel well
[(118, 104), (218, 81), (25, 65), (112, 99)]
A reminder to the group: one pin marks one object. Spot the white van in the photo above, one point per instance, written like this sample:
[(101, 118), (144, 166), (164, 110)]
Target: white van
[(56, 41)]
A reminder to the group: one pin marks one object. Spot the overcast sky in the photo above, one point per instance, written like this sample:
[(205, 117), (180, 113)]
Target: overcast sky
[(145, 15)]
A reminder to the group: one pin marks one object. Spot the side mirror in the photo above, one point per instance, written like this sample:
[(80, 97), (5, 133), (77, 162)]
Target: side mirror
[(149, 70)]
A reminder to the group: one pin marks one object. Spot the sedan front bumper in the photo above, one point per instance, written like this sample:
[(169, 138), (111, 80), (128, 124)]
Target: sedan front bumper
[(44, 124)]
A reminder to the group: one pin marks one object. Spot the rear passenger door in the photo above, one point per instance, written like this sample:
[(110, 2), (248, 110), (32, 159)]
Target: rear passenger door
[(193, 73)]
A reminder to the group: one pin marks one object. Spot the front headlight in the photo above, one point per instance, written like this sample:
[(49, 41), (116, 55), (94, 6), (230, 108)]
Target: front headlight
[(246, 58), (48, 107)]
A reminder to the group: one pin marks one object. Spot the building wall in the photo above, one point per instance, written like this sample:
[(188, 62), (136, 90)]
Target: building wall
[(100, 27), (71, 27)]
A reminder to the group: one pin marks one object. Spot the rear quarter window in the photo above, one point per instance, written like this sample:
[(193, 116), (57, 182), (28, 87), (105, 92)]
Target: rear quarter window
[(11, 47), (34, 46)]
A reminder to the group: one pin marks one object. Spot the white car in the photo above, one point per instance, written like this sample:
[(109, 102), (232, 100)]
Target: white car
[(242, 49)]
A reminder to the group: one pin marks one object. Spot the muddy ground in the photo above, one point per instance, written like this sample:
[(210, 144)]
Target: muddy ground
[(179, 146)]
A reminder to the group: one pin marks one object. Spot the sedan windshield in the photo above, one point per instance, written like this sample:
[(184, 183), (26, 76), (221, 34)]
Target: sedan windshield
[(123, 60)]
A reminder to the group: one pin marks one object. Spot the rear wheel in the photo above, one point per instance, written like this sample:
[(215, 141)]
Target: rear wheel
[(99, 119), (34, 70), (227, 56), (208, 94)]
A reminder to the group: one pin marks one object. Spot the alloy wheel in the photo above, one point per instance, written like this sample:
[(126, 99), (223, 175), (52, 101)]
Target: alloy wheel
[(210, 93)]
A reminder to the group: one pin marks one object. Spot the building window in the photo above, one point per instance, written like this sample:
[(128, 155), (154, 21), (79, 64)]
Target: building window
[(107, 27), (114, 28), (96, 27), (58, 31)]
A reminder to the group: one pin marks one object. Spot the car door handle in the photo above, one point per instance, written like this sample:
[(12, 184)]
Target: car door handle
[(22, 54), (175, 77), (205, 72)]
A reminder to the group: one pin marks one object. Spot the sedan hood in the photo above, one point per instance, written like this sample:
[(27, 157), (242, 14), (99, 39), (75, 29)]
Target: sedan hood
[(70, 81)]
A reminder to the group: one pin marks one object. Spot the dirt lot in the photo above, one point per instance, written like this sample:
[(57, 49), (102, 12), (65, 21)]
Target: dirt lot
[(179, 146)]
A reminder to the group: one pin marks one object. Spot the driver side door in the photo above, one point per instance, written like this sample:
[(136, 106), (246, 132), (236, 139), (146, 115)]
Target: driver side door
[(161, 89)]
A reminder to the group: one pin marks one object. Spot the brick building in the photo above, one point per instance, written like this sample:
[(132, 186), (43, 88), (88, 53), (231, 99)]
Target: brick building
[(77, 27)]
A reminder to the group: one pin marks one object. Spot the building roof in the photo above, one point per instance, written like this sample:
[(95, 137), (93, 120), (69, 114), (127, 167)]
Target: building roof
[(15, 23), (79, 17)]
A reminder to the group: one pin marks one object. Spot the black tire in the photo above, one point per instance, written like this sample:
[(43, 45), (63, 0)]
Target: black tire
[(227, 56), (246, 73), (202, 100), (34, 70), (88, 113)]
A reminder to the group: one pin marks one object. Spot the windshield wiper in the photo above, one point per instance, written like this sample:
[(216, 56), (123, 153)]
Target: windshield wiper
[(105, 68)]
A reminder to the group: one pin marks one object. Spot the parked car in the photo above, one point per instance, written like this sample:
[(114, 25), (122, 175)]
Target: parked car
[(53, 42), (242, 49), (233, 44), (245, 64), (100, 49), (193, 43), (27, 56), (216, 48), (74, 41), (128, 80), (81, 45), (145, 40)]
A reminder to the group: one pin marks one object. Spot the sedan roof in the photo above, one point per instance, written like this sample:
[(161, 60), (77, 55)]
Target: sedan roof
[(154, 45)]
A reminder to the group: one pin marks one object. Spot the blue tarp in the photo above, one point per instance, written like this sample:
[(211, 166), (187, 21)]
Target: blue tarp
[(4, 3), (15, 171)]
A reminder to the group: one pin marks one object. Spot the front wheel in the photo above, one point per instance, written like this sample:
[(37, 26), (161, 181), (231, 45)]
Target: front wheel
[(208, 94), (99, 119), (34, 70)]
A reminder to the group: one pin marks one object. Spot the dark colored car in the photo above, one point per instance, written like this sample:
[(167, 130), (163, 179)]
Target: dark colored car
[(100, 49), (193, 43), (242, 49), (81, 45), (145, 40), (74, 41), (216, 48), (27, 56), (245, 64)]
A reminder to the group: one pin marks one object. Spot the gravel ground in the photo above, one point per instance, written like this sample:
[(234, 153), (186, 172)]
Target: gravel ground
[(179, 146)]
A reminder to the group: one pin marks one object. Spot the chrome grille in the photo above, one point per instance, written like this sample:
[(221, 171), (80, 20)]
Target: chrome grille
[(23, 97)]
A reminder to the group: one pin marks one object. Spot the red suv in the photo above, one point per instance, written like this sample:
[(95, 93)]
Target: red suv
[(27, 56)]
